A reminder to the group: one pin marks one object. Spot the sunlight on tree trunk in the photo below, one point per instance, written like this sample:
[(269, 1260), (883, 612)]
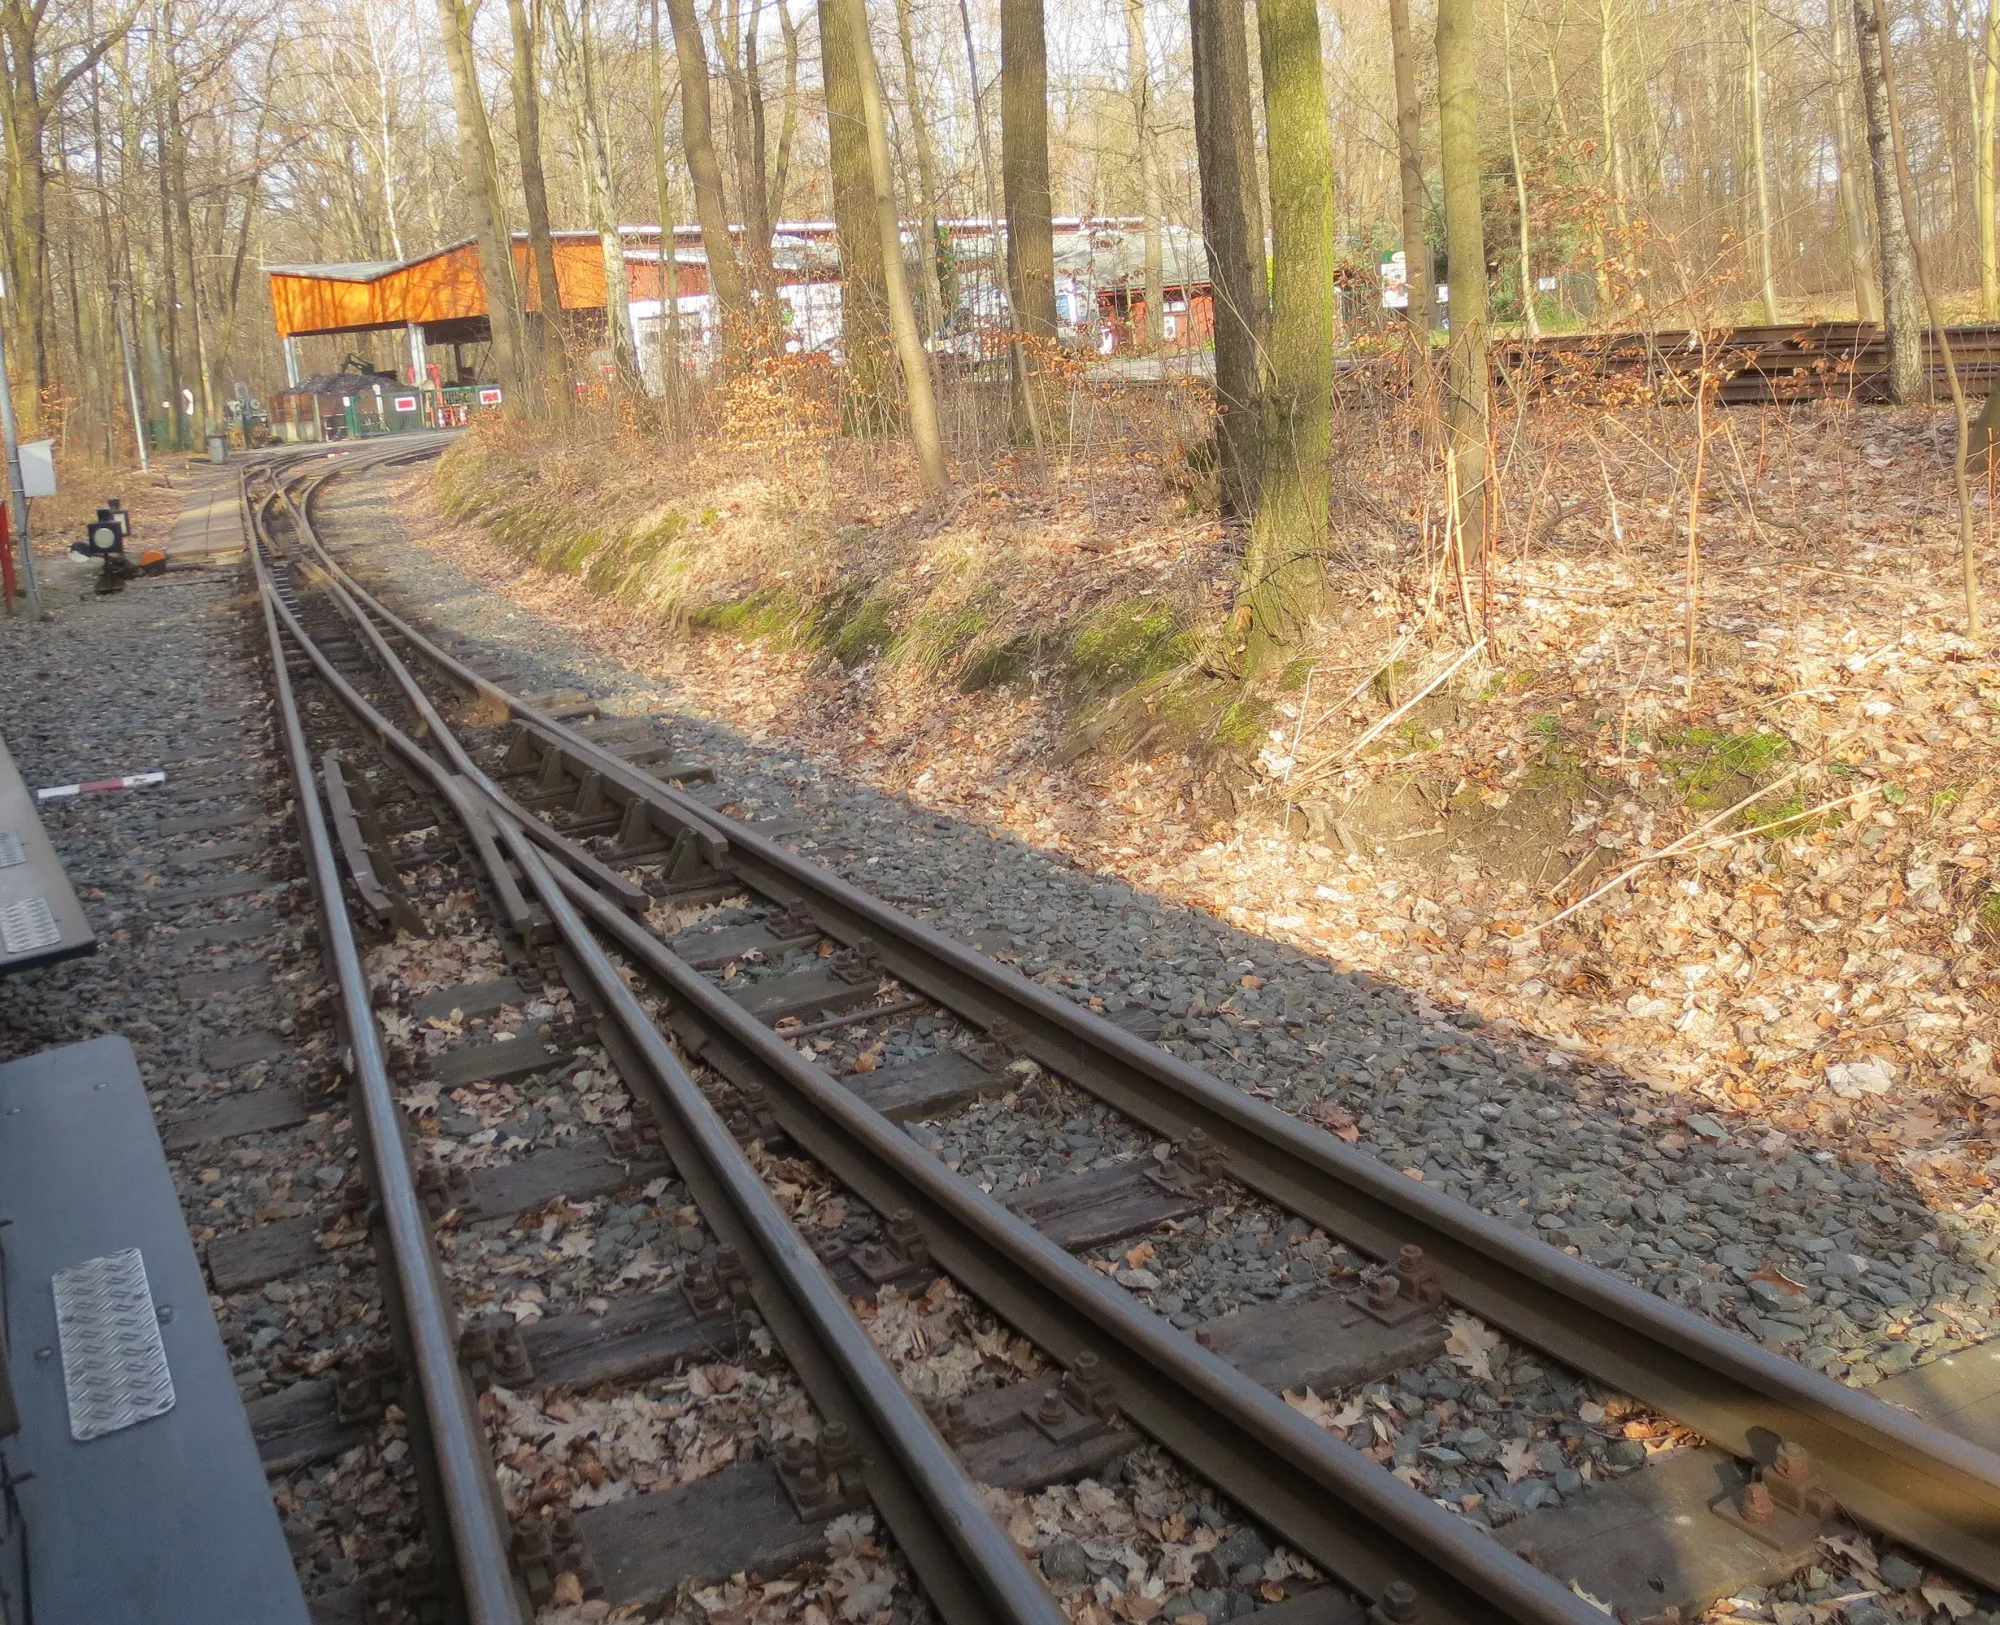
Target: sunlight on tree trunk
[(1139, 87), (482, 173), (1422, 312), (1901, 319), (1024, 186), (868, 406), (917, 393), (1853, 210), (1232, 221), (544, 327), (669, 329), (1525, 271), (1282, 582), (1465, 258), (932, 303), (725, 275), (1753, 96)]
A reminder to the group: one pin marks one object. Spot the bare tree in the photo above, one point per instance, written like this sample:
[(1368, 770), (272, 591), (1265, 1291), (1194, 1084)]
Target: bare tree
[(1902, 319), (1139, 86), (1232, 219), (1466, 381), (525, 81), (1024, 185), (475, 137), (725, 275), (922, 405), (1281, 585), (1422, 309)]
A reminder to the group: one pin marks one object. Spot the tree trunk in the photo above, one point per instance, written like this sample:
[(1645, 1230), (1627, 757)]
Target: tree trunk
[(668, 332), (1753, 89), (1853, 209), (746, 131), (1139, 85), (788, 120), (869, 405), (1282, 584), (546, 324), (1422, 311), (1985, 127), (725, 277), (1902, 314), (933, 304), (902, 315), (482, 171), (1530, 327), (1024, 186), (1232, 222), (576, 50), (1465, 252)]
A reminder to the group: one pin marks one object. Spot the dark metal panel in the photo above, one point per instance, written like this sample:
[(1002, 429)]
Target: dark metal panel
[(166, 1521), (30, 874)]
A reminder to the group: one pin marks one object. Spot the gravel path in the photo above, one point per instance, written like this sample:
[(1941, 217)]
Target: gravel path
[(171, 674)]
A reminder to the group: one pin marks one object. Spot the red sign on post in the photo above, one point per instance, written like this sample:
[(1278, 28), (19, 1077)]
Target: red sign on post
[(489, 397), (406, 403)]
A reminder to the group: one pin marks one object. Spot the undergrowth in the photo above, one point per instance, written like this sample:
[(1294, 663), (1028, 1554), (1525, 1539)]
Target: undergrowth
[(746, 555)]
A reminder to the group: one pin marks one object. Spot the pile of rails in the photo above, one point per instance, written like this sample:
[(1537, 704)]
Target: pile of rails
[(1748, 366)]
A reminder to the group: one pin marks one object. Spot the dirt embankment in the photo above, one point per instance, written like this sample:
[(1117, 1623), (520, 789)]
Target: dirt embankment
[(1809, 925)]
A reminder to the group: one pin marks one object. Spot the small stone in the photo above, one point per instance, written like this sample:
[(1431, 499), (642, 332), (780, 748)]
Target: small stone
[(1900, 1574), (1138, 1280), (1066, 1562), (1476, 1444), (1627, 1453)]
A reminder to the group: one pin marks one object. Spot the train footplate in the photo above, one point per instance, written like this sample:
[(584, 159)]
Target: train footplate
[(141, 1500)]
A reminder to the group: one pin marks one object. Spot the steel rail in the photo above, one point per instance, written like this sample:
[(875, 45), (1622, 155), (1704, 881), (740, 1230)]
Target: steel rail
[(964, 1559), (475, 1515), (1915, 1481), (1341, 1509)]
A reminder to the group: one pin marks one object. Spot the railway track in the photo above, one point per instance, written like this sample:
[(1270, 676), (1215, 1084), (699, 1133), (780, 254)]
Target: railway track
[(746, 998)]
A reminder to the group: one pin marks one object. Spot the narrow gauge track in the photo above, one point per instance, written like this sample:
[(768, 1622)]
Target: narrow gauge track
[(1915, 1481)]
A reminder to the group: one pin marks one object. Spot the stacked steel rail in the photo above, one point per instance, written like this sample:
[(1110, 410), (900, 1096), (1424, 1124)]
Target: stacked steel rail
[(1918, 1483), (1743, 366)]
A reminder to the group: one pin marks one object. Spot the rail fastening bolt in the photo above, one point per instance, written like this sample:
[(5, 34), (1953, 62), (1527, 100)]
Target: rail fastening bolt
[(1382, 1291), (1399, 1602), (1792, 1461), (1756, 1504), (1052, 1410)]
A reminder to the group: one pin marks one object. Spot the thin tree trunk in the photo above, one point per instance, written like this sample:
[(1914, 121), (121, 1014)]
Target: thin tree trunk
[(1753, 89), (1282, 583), (789, 119), (1986, 126), (577, 53), (669, 335), (1139, 86), (1902, 318), (869, 406), (922, 403), (546, 324), (1853, 210), (1465, 252), (1422, 311), (1232, 221), (1530, 327), (920, 139), (1024, 184), (725, 276), (481, 168), (746, 119)]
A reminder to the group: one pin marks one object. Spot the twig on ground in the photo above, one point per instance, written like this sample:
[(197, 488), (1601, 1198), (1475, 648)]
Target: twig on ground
[(1375, 731), (1672, 849)]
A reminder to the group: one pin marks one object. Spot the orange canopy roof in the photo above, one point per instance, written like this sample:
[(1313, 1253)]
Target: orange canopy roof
[(446, 286)]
